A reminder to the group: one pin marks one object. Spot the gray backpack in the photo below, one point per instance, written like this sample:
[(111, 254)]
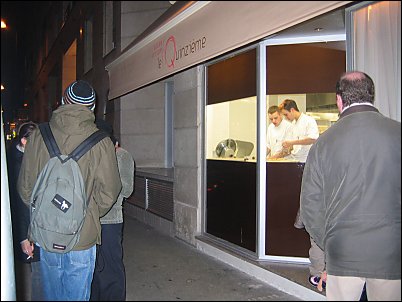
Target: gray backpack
[(58, 201)]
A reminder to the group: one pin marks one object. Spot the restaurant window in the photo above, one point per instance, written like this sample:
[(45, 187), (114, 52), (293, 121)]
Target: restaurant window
[(243, 210), (230, 147), (306, 73)]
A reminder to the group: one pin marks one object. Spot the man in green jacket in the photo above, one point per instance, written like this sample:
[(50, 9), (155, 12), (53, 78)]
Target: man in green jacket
[(68, 276)]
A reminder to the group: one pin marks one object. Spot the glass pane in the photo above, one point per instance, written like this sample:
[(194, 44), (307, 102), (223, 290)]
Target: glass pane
[(231, 127), (306, 73)]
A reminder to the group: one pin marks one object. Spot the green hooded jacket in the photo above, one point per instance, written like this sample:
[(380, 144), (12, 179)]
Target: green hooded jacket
[(71, 124)]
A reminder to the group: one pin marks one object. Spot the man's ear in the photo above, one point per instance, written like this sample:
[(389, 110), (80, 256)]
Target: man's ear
[(339, 102)]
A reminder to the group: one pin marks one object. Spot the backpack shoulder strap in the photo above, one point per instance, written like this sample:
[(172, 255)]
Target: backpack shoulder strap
[(87, 144), (50, 142)]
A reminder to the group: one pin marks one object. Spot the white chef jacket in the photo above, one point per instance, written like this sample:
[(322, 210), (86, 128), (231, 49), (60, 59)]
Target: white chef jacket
[(276, 135), (304, 127)]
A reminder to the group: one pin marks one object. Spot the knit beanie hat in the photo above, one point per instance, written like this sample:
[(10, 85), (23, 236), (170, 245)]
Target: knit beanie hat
[(79, 92)]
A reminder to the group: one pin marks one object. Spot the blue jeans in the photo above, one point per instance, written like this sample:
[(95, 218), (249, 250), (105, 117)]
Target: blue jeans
[(68, 276)]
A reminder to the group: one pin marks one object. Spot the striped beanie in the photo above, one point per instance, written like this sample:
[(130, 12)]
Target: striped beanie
[(80, 92)]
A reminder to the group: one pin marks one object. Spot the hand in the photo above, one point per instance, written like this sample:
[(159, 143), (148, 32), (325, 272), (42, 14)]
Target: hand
[(273, 158), (322, 279), (287, 144), (27, 248)]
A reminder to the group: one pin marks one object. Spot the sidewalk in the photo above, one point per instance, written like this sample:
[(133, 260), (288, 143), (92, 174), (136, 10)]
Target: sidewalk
[(163, 268)]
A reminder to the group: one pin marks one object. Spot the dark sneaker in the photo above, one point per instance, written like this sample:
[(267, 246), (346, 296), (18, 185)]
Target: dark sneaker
[(314, 280)]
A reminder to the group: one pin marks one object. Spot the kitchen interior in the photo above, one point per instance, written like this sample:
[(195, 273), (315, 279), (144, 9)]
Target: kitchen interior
[(238, 139)]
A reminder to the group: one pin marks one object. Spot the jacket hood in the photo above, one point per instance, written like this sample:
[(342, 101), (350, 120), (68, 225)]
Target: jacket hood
[(71, 119)]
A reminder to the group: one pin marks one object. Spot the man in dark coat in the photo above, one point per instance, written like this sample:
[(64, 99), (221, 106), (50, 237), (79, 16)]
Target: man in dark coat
[(351, 196), (20, 218)]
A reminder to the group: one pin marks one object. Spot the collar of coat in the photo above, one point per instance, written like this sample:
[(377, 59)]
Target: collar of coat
[(359, 108)]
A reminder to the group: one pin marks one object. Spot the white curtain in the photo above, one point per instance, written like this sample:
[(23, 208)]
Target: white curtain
[(377, 52)]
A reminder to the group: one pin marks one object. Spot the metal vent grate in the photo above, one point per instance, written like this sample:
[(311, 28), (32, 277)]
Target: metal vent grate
[(160, 198), (138, 197)]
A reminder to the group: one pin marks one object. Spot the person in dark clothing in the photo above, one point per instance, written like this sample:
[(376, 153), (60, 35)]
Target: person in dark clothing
[(351, 196), (109, 279), (20, 216)]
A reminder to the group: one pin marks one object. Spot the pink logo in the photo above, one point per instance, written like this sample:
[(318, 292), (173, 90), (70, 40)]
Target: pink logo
[(170, 51)]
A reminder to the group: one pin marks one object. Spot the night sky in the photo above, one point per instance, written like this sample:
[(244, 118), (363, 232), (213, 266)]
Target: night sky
[(18, 16)]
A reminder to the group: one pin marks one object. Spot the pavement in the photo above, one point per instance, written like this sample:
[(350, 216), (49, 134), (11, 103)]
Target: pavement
[(163, 268)]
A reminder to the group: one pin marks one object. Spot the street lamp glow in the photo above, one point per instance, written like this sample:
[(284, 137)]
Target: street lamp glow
[(2, 87), (3, 24)]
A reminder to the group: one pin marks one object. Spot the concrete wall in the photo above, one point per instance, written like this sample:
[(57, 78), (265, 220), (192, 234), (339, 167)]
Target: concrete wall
[(188, 95), (141, 117), (136, 16)]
